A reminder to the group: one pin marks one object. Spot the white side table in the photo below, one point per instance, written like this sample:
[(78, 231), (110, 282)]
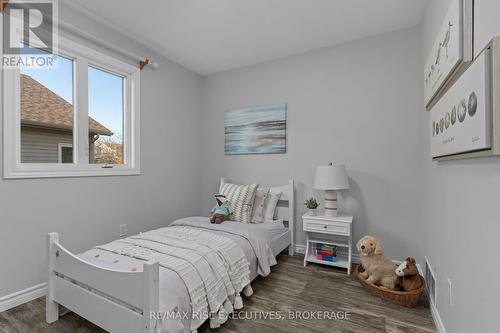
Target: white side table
[(332, 231)]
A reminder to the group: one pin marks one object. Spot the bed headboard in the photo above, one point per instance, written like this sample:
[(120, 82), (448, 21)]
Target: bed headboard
[(285, 209)]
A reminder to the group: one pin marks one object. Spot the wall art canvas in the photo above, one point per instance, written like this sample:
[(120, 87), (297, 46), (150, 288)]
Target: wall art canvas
[(257, 130), (451, 49), (460, 121)]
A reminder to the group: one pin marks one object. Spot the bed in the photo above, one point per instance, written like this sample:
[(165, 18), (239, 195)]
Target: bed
[(125, 291)]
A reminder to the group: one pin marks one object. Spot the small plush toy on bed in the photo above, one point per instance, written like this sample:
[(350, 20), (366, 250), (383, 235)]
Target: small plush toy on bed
[(221, 210)]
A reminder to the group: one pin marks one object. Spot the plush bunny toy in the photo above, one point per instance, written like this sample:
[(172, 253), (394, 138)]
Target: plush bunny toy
[(221, 210)]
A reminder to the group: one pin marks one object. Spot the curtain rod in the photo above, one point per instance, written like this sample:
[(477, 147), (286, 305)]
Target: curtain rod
[(142, 61), (3, 4)]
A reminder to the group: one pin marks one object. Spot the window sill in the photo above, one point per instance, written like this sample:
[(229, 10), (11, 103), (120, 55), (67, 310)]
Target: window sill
[(21, 174)]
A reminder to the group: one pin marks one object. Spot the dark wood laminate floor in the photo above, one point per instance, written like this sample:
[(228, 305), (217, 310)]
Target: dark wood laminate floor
[(290, 287)]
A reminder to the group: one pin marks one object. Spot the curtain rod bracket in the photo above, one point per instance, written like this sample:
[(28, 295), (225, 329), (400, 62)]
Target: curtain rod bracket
[(3, 4), (143, 63)]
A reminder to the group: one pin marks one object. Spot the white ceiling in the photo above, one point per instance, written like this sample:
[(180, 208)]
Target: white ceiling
[(210, 36)]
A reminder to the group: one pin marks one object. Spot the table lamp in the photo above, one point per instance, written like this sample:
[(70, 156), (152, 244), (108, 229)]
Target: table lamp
[(331, 178)]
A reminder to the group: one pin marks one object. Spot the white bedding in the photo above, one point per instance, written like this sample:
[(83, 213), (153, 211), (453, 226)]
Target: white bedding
[(174, 296), (274, 228)]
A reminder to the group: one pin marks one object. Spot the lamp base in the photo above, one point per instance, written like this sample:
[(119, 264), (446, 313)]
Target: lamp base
[(330, 203)]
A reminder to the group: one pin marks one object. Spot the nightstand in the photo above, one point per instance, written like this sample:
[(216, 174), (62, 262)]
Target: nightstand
[(332, 231)]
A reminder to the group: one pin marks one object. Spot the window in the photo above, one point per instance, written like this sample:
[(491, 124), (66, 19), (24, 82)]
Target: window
[(46, 111), (79, 118), (106, 117), (65, 153)]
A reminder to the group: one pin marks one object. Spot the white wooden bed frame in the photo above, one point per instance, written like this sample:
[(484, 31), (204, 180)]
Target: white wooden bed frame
[(121, 301), (285, 210)]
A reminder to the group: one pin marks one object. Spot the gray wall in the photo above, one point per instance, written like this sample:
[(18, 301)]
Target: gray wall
[(88, 211), (359, 104), (356, 104), (460, 220)]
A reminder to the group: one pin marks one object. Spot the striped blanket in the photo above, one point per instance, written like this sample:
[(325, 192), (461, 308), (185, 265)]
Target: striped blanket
[(213, 267)]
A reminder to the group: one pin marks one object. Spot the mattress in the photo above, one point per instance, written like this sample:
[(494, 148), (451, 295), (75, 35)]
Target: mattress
[(173, 294)]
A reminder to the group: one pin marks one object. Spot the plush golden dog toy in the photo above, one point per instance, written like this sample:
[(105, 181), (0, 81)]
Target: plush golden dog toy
[(379, 270)]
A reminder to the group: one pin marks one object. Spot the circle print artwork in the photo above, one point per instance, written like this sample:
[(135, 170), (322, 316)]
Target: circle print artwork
[(447, 120), (454, 115), (472, 107), (462, 110), (441, 125)]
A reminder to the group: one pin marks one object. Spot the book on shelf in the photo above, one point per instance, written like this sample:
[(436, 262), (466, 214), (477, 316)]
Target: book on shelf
[(326, 258), (326, 250)]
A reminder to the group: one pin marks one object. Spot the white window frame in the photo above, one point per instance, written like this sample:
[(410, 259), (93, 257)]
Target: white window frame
[(60, 146), (82, 57)]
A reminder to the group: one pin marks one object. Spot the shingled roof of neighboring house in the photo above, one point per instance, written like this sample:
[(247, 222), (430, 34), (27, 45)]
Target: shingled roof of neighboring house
[(42, 107)]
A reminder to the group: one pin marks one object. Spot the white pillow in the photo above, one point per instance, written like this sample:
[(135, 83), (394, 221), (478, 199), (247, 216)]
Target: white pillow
[(270, 205), (258, 205)]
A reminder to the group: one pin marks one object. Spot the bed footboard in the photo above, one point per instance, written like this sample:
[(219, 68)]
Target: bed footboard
[(117, 301)]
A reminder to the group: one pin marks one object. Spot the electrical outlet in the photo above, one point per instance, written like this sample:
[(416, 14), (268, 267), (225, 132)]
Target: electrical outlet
[(450, 292), (123, 230)]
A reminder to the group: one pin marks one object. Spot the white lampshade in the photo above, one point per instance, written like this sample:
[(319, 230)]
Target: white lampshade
[(331, 177)]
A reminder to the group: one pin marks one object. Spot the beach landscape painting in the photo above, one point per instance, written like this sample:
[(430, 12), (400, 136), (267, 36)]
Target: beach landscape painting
[(257, 130)]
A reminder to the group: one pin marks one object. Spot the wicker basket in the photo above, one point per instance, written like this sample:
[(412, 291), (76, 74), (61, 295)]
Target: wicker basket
[(404, 298)]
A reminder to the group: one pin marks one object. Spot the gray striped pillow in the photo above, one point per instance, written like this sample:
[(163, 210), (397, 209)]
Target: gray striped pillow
[(241, 199)]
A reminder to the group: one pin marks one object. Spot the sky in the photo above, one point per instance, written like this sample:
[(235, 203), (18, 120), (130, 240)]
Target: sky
[(105, 91)]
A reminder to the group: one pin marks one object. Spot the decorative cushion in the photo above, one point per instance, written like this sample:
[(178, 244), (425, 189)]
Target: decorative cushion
[(270, 205), (258, 205), (241, 198)]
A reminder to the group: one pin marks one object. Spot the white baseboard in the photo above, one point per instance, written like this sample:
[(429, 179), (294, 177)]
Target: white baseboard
[(437, 318), (434, 311), (300, 248), (21, 297)]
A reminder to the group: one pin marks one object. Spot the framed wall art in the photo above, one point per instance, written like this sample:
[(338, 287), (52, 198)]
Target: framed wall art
[(461, 119), (465, 123), (451, 52), (257, 130)]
